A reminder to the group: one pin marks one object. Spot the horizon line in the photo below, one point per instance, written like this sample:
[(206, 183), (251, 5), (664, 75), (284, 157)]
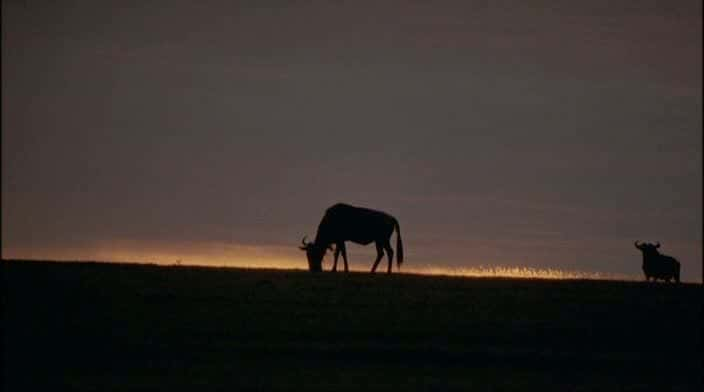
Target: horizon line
[(481, 272)]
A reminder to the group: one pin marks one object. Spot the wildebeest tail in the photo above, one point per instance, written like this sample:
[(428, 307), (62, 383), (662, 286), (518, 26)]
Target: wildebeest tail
[(677, 272), (399, 246)]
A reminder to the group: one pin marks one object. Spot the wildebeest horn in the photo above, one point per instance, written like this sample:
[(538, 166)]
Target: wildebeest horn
[(657, 245), (303, 241), (636, 244)]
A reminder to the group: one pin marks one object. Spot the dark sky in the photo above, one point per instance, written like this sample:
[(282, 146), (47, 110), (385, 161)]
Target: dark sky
[(547, 134)]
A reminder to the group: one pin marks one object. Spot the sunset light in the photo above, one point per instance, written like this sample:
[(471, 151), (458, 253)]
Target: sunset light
[(509, 194), (516, 272), (280, 257)]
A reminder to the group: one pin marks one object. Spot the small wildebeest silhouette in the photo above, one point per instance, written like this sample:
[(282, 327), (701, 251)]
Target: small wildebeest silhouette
[(657, 265), (343, 222)]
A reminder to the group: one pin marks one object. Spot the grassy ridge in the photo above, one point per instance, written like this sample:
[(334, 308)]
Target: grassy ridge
[(94, 326)]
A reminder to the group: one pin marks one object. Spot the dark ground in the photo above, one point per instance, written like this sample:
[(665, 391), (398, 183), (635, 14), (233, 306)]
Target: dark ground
[(102, 327)]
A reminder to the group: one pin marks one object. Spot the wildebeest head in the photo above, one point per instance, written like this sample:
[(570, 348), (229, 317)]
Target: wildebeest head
[(314, 253), (647, 248)]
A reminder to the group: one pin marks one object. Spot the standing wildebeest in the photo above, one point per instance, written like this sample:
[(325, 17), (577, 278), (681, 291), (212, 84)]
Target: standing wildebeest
[(343, 222), (656, 265)]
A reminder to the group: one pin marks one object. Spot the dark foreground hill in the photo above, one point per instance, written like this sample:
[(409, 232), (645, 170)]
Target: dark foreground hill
[(94, 326)]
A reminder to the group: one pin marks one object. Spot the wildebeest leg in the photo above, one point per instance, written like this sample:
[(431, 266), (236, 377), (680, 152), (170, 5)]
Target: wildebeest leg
[(390, 254), (341, 246), (379, 255), (337, 253)]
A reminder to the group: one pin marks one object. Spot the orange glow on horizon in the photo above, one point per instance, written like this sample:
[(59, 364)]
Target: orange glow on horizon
[(517, 272), (198, 254), (276, 257)]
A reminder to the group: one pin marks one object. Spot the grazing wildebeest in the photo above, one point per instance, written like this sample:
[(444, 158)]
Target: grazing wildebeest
[(657, 265), (343, 222)]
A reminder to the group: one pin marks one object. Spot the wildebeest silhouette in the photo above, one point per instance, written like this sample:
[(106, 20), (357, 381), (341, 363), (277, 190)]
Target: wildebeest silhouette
[(657, 265), (343, 222)]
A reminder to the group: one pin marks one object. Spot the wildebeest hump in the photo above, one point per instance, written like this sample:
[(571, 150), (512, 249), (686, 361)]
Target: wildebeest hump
[(360, 225)]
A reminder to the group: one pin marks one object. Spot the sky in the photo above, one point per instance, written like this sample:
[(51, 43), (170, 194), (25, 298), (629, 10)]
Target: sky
[(541, 134)]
